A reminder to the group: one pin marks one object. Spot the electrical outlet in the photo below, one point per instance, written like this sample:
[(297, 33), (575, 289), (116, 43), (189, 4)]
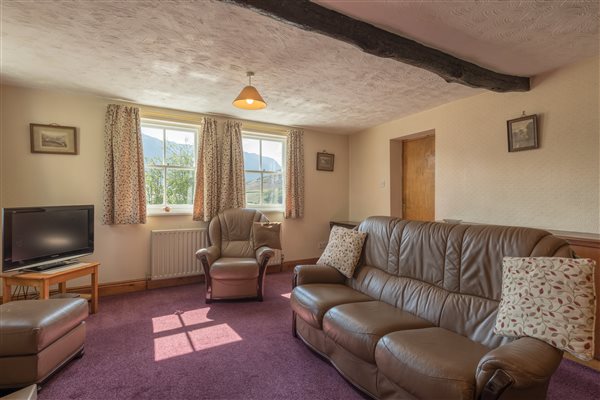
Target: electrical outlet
[(322, 244)]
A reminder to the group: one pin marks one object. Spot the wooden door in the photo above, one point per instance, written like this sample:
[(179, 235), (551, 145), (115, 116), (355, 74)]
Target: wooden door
[(418, 179)]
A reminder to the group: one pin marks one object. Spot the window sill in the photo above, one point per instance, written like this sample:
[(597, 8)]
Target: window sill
[(269, 210), (166, 214)]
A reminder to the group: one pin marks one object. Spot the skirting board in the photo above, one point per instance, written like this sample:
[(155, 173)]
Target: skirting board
[(594, 364), (138, 285), (109, 289)]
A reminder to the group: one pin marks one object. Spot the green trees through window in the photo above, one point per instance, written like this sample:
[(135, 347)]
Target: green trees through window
[(170, 160), (264, 169), (170, 165)]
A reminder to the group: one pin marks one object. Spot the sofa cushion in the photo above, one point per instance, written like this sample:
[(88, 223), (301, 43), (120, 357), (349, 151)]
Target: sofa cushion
[(358, 326), (312, 301), (234, 268), (431, 362)]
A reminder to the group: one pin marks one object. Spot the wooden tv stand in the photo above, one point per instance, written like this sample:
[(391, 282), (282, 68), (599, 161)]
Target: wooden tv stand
[(44, 279)]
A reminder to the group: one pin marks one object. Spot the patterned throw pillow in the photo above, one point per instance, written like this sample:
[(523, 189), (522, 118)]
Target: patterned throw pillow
[(343, 250), (551, 299)]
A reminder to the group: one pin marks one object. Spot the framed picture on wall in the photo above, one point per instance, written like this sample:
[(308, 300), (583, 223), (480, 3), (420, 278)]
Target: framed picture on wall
[(522, 133), (53, 139), (325, 161)]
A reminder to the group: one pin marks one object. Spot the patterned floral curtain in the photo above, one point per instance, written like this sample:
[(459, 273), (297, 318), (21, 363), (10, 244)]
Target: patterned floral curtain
[(124, 179), (206, 197), (294, 181), (231, 181)]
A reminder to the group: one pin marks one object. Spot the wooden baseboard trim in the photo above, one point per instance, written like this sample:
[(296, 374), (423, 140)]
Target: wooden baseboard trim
[(186, 280), (273, 269), (139, 285), (112, 288), (594, 364)]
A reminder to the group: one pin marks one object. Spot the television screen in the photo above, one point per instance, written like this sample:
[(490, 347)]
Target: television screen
[(42, 235)]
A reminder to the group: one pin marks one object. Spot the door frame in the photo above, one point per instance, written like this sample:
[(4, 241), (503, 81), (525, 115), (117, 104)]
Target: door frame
[(396, 172)]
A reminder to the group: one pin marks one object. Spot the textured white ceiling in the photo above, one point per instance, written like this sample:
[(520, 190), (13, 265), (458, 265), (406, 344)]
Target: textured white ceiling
[(193, 56), (513, 37)]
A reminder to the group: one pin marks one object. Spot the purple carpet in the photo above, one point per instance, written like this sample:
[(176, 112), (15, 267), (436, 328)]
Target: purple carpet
[(168, 344)]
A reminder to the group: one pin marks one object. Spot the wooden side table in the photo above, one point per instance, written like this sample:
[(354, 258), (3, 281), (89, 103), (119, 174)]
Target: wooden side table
[(43, 280)]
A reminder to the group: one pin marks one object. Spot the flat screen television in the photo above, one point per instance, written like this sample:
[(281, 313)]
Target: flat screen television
[(46, 237)]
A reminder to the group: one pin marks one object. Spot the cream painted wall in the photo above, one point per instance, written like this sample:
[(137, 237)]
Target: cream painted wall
[(43, 179), (555, 187)]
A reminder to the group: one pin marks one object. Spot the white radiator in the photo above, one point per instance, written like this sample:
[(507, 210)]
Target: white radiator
[(277, 259), (174, 252)]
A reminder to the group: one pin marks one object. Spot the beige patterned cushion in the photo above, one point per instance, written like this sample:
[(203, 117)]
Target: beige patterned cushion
[(551, 299), (343, 250)]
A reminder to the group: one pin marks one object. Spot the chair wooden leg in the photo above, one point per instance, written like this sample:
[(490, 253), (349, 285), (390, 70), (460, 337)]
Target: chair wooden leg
[(294, 333)]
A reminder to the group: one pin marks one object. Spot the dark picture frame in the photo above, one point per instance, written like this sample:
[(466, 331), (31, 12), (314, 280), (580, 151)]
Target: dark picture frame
[(325, 161), (522, 133), (53, 139)]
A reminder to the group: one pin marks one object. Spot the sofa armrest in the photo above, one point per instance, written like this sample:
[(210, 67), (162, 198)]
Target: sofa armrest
[(263, 254), (304, 274), (524, 363)]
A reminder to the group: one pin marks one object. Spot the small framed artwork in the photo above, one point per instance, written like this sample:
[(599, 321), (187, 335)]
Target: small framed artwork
[(522, 133), (325, 161), (53, 139)]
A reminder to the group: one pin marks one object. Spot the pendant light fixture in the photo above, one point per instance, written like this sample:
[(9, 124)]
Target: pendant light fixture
[(249, 98)]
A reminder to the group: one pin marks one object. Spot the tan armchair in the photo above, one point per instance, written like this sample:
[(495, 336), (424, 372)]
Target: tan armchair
[(233, 269)]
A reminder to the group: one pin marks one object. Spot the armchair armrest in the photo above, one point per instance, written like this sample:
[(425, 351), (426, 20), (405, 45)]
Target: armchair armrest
[(208, 255), (304, 274), (263, 254), (522, 364)]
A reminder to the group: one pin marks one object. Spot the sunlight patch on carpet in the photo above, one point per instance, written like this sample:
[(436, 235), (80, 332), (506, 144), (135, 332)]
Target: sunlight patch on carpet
[(287, 295), (165, 323), (180, 319), (194, 317), (194, 340), (172, 346)]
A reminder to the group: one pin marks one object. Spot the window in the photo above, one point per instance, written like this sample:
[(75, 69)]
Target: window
[(263, 169), (170, 163)]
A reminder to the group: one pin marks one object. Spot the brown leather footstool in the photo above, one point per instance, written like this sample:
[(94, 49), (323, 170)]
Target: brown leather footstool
[(37, 337)]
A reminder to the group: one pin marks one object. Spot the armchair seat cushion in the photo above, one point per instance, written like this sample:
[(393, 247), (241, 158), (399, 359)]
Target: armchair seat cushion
[(312, 301), (358, 326), (431, 362), (227, 268)]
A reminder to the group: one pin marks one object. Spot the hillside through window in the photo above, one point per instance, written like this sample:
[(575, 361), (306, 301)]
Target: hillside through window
[(170, 162), (264, 171)]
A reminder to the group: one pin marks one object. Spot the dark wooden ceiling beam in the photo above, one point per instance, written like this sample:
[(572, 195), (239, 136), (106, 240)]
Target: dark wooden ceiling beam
[(381, 43)]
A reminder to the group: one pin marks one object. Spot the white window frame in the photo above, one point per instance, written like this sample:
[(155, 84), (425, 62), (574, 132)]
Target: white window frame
[(274, 138), (175, 209)]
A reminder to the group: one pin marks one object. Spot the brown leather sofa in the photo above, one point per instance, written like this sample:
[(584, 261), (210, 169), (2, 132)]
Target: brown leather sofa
[(416, 320)]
